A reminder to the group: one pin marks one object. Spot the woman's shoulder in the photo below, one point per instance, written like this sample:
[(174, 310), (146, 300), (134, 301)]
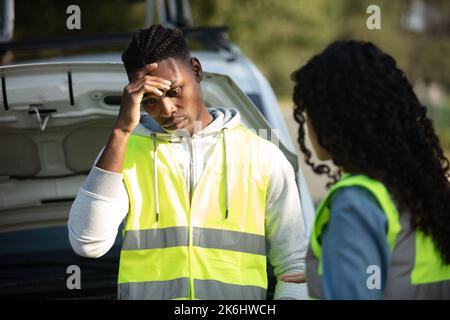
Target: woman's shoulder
[(356, 202)]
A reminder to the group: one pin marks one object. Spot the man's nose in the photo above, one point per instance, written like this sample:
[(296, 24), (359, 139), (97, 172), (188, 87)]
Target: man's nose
[(167, 108)]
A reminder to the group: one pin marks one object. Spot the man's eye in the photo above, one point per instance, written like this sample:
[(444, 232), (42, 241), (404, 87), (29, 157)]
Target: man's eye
[(173, 93), (146, 101)]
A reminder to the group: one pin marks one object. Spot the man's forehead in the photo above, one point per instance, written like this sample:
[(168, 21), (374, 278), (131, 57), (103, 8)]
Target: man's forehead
[(169, 69)]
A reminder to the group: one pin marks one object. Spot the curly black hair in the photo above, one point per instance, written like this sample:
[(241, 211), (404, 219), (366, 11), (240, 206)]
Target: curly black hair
[(154, 44), (366, 115)]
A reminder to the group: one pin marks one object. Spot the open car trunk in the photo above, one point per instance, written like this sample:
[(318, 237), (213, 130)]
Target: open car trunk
[(54, 120)]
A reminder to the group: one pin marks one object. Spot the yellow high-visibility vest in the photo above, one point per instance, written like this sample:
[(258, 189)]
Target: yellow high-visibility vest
[(416, 269), (209, 244)]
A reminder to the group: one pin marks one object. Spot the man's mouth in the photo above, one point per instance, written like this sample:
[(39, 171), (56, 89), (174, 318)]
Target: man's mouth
[(175, 123)]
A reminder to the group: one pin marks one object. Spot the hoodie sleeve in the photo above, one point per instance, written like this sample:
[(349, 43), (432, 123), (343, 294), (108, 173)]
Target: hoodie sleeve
[(97, 212), (285, 228)]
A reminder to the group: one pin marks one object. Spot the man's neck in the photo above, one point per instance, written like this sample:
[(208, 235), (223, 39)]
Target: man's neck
[(202, 121)]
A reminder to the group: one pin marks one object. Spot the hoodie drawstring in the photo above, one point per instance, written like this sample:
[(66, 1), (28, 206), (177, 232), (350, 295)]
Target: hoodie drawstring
[(226, 174), (155, 177)]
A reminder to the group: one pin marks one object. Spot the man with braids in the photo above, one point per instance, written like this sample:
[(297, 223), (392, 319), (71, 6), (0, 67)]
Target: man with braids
[(201, 195), (383, 229)]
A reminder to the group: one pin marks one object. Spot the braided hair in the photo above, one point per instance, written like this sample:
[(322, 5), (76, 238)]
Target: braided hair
[(368, 118), (154, 44)]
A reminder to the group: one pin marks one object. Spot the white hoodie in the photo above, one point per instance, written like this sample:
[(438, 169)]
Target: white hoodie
[(102, 203)]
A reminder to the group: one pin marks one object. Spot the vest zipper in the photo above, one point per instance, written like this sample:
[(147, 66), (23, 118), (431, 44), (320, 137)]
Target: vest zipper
[(191, 168), (190, 240)]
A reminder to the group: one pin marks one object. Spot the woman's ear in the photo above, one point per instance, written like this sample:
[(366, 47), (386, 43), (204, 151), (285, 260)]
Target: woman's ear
[(197, 69)]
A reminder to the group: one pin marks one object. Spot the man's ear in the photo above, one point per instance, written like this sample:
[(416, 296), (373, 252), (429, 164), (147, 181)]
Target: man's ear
[(197, 69)]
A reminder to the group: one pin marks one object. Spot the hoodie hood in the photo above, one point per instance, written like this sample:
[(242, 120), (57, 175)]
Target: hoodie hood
[(223, 118)]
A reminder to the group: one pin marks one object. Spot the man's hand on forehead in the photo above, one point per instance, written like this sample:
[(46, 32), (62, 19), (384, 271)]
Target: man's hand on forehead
[(145, 70), (153, 86)]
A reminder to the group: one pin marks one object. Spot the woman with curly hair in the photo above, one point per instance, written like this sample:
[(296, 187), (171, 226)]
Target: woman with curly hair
[(383, 229)]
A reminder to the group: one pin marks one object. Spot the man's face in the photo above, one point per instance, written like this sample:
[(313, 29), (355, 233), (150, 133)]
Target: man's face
[(182, 104)]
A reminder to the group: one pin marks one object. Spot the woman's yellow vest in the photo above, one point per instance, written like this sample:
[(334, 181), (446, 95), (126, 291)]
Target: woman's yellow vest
[(416, 270), (206, 245)]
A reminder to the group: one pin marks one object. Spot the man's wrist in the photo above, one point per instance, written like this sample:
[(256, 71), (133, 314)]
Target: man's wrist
[(121, 131)]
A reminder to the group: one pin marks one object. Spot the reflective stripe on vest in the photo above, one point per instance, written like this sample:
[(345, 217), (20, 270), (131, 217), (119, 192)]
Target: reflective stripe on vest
[(415, 270), (202, 237), (194, 249), (174, 289)]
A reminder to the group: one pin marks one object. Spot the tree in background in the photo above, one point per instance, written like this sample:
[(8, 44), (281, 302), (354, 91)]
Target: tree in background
[(282, 35)]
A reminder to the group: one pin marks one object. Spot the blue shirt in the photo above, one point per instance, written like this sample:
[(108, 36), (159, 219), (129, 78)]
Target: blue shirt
[(354, 241)]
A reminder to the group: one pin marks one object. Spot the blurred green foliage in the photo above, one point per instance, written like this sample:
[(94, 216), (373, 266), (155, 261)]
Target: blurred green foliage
[(46, 19), (280, 36)]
